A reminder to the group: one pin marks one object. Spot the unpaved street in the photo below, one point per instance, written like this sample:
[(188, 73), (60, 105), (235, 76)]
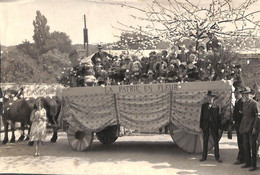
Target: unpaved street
[(152, 154)]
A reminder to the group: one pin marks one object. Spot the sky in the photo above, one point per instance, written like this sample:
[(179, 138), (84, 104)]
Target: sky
[(66, 16), (63, 16)]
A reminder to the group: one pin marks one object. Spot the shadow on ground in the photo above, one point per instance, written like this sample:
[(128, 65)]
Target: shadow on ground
[(162, 154)]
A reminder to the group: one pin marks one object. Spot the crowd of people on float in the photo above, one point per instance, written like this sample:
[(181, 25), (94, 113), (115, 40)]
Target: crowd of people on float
[(183, 65)]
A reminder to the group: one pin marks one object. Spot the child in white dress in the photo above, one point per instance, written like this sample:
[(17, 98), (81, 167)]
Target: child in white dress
[(39, 122)]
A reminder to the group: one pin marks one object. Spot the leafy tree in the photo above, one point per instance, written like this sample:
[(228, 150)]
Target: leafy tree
[(41, 31), (52, 64), (28, 48), (62, 41), (19, 67), (39, 62)]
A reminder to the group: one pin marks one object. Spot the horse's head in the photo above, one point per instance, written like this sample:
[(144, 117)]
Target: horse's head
[(11, 94), (8, 95), (51, 105)]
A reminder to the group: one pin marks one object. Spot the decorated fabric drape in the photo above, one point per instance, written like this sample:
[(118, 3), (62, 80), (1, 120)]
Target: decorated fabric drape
[(142, 107), (144, 110), (186, 107), (89, 112)]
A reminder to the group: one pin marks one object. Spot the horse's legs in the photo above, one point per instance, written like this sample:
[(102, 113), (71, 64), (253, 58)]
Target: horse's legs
[(55, 135), (6, 132), (13, 135), (22, 135)]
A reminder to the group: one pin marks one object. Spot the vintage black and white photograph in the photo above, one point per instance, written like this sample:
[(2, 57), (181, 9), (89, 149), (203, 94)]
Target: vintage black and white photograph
[(130, 87)]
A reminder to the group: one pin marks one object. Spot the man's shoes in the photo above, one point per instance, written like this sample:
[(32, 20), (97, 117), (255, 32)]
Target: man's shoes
[(238, 162), (202, 159), (245, 166), (252, 169), (219, 160)]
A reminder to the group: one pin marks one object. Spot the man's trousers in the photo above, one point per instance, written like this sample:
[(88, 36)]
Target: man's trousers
[(215, 136)]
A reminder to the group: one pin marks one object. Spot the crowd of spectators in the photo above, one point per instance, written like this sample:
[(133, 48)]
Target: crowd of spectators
[(183, 65)]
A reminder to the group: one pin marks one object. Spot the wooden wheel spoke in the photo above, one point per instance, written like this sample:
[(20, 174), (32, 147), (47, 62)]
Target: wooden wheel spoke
[(189, 142), (79, 140)]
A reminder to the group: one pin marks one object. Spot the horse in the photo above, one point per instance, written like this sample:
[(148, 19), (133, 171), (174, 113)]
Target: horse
[(52, 106), (16, 110), (19, 110)]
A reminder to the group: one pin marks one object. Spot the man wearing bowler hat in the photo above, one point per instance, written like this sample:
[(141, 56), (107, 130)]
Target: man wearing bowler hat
[(210, 121), (237, 117), (249, 128)]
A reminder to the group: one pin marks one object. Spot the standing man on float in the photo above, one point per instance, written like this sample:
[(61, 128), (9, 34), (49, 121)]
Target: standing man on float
[(100, 54)]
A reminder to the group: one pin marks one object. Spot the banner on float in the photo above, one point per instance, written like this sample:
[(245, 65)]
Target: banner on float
[(146, 88)]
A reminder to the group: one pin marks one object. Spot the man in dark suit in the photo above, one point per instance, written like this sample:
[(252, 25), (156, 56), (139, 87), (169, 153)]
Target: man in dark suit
[(249, 128), (237, 117), (210, 121), (100, 54)]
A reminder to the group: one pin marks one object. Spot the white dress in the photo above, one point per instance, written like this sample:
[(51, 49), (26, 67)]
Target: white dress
[(39, 122)]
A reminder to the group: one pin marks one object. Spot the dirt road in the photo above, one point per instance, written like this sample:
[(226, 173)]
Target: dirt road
[(129, 155)]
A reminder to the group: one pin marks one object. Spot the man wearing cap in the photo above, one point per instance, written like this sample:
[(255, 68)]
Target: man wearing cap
[(237, 117), (213, 42), (249, 128), (100, 54), (210, 121)]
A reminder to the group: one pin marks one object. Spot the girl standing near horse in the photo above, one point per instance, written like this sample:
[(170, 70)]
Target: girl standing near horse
[(39, 122)]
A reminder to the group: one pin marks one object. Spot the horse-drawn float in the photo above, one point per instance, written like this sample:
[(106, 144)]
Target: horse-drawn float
[(101, 110)]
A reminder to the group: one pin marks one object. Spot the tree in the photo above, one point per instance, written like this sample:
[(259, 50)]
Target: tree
[(175, 20), (62, 41), (52, 64), (41, 31), (28, 48), (137, 41), (19, 67), (133, 40)]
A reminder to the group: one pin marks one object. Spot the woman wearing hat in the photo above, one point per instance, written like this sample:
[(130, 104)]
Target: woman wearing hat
[(150, 77), (201, 52), (192, 72), (249, 128)]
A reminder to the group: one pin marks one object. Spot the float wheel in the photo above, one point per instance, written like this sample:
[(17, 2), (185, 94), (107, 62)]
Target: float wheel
[(79, 140), (190, 142), (108, 135)]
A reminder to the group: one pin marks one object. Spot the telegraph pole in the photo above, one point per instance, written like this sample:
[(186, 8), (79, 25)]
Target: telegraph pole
[(85, 34)]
